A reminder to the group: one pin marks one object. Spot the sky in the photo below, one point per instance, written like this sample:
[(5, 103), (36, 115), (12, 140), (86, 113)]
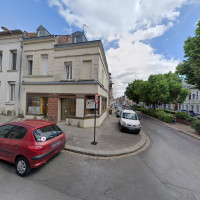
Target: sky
[(140, 37)]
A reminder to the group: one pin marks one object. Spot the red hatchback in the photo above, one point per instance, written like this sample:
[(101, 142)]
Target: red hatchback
[(30, 143)]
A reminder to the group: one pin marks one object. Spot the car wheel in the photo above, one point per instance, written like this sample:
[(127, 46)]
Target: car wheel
[(22, 166)]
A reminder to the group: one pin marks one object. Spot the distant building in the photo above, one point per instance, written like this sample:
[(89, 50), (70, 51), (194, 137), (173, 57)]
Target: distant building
[(192, 102)]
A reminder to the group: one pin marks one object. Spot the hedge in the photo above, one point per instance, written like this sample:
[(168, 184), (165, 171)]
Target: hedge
[(184, 116), (196, 125), (159, 113)]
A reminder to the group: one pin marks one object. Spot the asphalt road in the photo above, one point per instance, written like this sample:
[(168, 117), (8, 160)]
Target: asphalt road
[(168, 170)]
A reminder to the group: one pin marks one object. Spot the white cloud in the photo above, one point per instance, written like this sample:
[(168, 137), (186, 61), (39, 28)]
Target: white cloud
[(130, 23)]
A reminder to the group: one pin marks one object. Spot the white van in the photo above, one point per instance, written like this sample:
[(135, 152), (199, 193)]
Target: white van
[(129, 121)]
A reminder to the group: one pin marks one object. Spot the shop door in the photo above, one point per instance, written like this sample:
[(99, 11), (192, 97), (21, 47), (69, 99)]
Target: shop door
[(68, 108)]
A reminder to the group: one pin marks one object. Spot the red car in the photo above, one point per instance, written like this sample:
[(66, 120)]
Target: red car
[(30, 143)]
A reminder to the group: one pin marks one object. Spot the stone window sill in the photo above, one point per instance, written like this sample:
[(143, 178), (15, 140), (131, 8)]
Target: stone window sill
[(10, 103), (11, 70), (37, 76)]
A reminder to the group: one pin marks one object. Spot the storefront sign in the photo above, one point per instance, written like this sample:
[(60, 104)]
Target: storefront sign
[(90, 104)]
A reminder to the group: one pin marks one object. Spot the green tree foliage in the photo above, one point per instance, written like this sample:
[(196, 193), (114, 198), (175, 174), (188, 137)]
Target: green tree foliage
[(159, 89), (177, 93), (191, 66)]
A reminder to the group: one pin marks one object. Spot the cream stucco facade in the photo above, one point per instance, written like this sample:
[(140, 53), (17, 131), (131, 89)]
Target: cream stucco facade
[(61, 80), (10, 64)]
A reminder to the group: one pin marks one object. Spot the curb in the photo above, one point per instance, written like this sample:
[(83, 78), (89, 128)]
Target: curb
[(107, 154), (185, 132)]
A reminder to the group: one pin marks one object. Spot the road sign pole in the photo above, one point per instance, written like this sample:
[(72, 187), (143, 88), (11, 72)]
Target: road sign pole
[(95, 116)]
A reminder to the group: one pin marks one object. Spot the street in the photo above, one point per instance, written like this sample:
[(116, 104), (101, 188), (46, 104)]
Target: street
[(168, 169)]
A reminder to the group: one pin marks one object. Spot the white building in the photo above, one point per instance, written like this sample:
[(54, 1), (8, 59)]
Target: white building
[(192, 102), (10, 69)]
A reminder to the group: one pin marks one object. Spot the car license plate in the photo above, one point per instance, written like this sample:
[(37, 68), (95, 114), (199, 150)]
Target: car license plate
[(55, 143)]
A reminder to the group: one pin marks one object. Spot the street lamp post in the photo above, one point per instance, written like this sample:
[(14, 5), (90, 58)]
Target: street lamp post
[(20, 65)]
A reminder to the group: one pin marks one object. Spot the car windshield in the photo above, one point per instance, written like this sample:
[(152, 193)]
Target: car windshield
[(129, 116), (46, 133)]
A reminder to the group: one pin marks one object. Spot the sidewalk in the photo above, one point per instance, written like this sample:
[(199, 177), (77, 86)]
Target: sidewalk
[(185, 129), (111, 141)]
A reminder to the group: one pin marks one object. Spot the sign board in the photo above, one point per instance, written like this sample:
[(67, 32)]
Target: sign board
[(96, 98), (90, 104)]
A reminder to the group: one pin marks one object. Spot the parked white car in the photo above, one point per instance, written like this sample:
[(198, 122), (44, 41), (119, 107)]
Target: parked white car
[(118, 111), (129, 121)]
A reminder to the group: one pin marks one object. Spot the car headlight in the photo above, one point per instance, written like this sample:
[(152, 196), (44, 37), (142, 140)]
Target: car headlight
[(124, 123), (138, 126)]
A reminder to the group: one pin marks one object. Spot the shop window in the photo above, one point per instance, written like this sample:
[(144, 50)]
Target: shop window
[(103, 105), (36, 105), (90, 106), (68, 108)]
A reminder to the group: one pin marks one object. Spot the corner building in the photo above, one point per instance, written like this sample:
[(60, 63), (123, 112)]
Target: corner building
[(61, 75)]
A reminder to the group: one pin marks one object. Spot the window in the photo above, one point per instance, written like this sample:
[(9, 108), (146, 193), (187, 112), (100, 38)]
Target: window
[(193, 96), (68, 108), (0, 91), (182, 107), (90, 106), (30, 65), (36, 104), (12, 92), (197, 107), (129, 116), (0, 60), (68, 71), (103, 105), (40, 33), (13, 60), (192, 107), (4, 130), (18, 133), (47, 133), (186, 107), (86, 70), (45, 65)]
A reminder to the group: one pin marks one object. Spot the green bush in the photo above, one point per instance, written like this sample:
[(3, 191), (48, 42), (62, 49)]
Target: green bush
[(159, 113), (170, 112), (183, 115), (196, 125), (165, 116)]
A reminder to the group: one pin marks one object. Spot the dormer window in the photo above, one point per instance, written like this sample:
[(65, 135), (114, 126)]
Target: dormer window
[(40, 33)]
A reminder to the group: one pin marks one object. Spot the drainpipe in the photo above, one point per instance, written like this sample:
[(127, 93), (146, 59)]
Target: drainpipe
[(20, 76)]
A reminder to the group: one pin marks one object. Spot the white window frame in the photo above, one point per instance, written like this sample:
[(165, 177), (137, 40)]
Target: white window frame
[(13, 63), (12, 91), (29, 66), (45, 65), (68, 71)]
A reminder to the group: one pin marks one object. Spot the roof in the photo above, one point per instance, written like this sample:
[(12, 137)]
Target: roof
[(33, 123), (14, 32)]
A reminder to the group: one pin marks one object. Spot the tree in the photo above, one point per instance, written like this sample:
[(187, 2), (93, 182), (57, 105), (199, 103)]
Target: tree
[(177, 93), (191, 66), (133, 91), (158, 89)]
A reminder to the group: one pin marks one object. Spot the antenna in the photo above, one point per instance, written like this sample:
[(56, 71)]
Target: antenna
[(84, 27)]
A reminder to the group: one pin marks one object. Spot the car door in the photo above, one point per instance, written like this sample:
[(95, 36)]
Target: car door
[(4, 130), (13, 143)]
